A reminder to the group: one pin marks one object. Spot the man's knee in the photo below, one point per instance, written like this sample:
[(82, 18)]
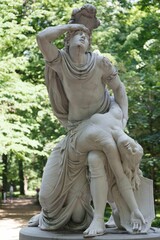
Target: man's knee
[(78, 213), (96, 158), (96, 164)]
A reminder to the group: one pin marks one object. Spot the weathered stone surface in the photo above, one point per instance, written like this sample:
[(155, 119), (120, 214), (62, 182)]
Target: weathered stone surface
[(77, 81), (34, 233)]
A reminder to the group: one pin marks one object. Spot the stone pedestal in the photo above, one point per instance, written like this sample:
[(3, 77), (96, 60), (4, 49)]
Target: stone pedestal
[(34, 233)]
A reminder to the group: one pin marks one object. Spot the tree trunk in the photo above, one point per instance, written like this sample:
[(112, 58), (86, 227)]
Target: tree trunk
[(25, 184), (21, 177), (5, 172)]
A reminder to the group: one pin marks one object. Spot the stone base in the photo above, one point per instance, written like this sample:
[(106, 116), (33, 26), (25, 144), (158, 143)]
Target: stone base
[(34, 233)]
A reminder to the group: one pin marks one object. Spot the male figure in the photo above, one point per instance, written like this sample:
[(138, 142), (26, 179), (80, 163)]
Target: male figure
[(76, 82)]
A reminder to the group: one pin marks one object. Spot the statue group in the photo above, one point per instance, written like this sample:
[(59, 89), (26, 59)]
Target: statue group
[(97, 162)]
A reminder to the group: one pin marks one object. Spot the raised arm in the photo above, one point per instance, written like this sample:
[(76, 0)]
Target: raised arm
[(45, 38)]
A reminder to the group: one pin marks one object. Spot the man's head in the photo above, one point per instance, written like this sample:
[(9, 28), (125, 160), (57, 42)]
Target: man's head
[(78, 37), (86, 16)]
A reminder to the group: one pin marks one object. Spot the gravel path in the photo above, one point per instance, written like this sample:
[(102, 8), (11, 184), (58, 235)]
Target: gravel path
[(14, 216)]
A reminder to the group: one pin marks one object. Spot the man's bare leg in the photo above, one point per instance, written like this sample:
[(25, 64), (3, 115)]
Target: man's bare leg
[(99, 189)]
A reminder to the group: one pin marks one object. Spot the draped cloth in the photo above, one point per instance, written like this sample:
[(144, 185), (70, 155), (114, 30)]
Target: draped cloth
[(65, 172), (58, 99), (54, 84)]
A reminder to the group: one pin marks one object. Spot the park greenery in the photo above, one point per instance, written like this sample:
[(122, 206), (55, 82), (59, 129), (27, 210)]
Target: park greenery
[(129, 35)]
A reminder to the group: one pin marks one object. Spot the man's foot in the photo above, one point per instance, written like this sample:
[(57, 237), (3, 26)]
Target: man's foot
[(96, 228), (34, 221)]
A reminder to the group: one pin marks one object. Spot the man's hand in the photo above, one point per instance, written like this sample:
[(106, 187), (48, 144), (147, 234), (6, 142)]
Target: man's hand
[(76, 27)]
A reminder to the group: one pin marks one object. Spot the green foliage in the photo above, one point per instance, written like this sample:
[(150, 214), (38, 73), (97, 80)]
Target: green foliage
[(28, 128), (129, 35)]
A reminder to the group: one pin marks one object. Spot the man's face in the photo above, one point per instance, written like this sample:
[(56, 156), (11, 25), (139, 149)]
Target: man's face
[(79, 39)]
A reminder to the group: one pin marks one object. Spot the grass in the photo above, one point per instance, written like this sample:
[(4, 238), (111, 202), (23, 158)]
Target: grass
[(156, 221)]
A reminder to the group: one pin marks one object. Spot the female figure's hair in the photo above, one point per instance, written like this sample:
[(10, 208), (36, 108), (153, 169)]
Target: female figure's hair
[(131, 154)]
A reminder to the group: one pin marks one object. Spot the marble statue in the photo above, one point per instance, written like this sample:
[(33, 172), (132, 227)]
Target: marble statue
[(96, 161)]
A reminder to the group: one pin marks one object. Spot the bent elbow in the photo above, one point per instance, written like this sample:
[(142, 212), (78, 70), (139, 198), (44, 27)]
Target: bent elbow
[(40, 37), (120, 89)]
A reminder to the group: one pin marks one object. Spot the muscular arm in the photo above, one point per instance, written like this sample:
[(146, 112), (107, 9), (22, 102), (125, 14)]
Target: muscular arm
[(45, 38)]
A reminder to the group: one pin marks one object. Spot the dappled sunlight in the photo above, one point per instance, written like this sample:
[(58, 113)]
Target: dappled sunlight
[(14, 216)]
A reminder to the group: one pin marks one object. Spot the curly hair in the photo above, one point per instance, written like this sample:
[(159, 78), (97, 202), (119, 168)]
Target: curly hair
[(131, 159)]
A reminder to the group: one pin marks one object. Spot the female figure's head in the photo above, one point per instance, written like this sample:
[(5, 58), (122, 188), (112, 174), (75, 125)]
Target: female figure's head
[(131, 154)]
